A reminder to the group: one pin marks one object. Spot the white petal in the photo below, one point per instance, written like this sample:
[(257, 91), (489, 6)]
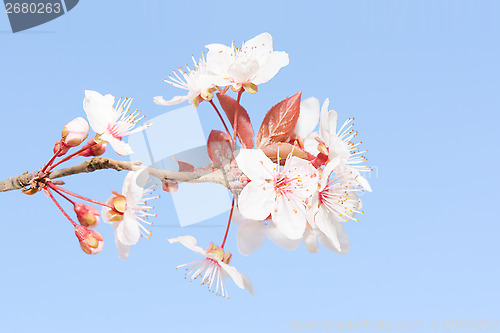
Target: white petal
[(327, 171), (310, 143), (308, 118), (255, 164), (233, 273), (274, 64), (189, 242), (219, 58), (278, 238), (132, 191), (289, 217), (325, 222), (306, 175), (256, 200), (176, 100), (262, 43), (342, 237), (128, 231), (123, 250), (364, 183), (99, 110), (251, 236), (311, 240), (120, 147)]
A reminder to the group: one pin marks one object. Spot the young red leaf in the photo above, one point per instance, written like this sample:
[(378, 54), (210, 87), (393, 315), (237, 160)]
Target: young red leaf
[(244, 126), (184, 166), (279, 123), (220, 148)]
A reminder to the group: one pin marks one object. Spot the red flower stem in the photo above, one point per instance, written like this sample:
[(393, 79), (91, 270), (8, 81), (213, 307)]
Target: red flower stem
[(228, 224), (62, 195), (55, 187), (220, 116), (52, 159), (60, 208), (85, 147)]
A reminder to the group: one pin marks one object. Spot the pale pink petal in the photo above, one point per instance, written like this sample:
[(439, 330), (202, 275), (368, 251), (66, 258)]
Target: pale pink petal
[(289, 217), (324, 221), (364, 183), (277, 60), (176, 100), (342, 237), (311, 240), (251, 236), (263, 44), (278, 238), (127, 231), (241, 280), (123, 250), (189, 242), (308, 118), (255, 164), (99, 110), (256, 200), (120, 147)]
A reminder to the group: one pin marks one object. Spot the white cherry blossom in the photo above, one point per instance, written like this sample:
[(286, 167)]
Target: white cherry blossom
[(198, 82), (214, 268), (128, 213), (111, 123), (279, 191), (255, 63)]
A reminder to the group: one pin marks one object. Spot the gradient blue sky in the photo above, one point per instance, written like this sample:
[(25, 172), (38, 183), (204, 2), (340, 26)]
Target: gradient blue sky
[(420, 77)]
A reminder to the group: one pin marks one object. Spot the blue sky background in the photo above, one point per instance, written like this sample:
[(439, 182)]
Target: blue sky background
[(420, 77)]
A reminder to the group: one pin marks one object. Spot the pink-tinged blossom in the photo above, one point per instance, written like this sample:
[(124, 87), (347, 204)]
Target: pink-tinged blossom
[(128, 213), (111, 122), (255, 63), (336, 144), (214, 268), (335, 202), (279, 191), (199, 83)]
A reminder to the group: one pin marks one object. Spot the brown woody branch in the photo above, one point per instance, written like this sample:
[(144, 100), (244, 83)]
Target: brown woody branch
[(203, 175)]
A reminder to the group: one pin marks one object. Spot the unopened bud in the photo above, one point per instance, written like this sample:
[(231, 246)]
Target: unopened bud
[(75, 132), (118, 204), (95, 149), (57, 146), (91, 241), (88, 216)]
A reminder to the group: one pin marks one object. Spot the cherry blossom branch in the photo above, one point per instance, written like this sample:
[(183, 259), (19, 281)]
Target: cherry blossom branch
[(227, 176)]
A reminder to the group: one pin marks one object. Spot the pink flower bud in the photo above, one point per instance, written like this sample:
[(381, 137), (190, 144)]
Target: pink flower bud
[(95, 149), (57, 146), (87, 215), (90, 240), (75, 132)]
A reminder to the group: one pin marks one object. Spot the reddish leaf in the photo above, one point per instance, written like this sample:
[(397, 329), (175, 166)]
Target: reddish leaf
[(184, 166), (219, 148), (279, 123), (171, 185), (244, 130)]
